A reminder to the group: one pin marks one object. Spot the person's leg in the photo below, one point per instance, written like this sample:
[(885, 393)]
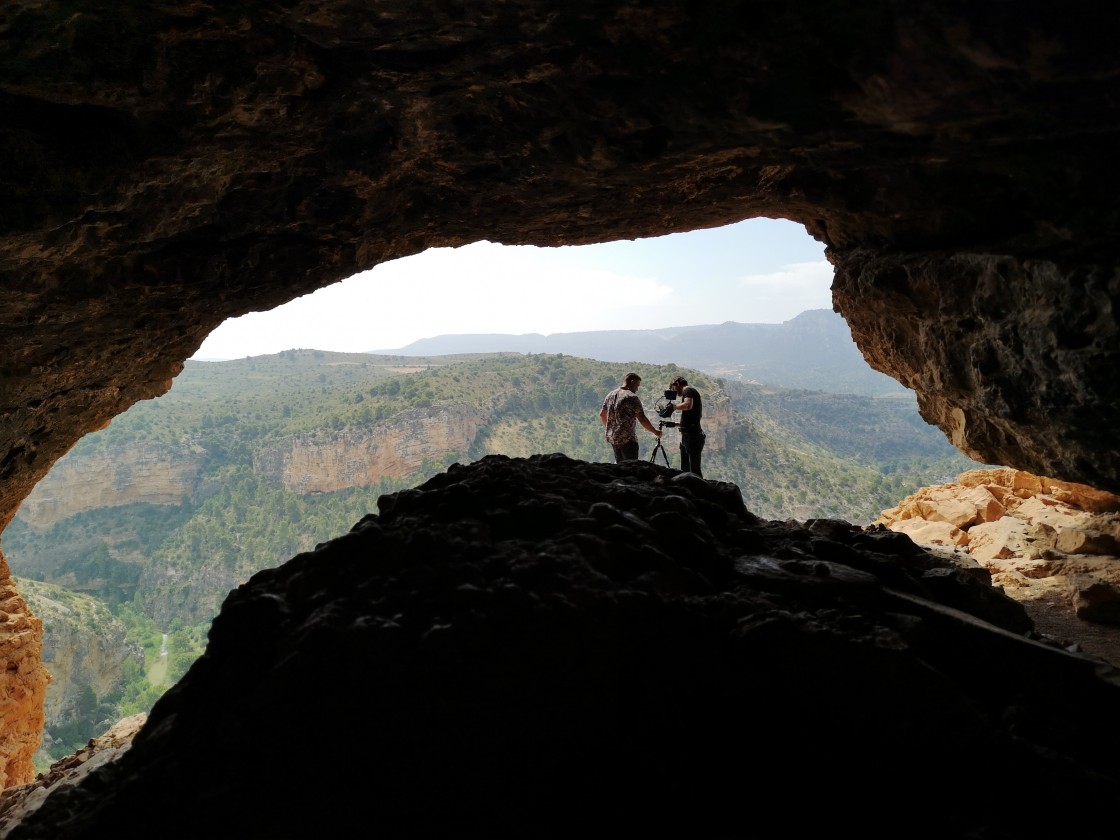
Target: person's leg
[(691, 446), (694, 455), (625, 451)]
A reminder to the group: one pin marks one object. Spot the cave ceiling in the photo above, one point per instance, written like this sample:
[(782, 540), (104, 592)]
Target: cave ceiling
[(167, 166)]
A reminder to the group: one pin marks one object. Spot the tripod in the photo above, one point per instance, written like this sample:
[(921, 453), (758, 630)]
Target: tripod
[(660, 448)]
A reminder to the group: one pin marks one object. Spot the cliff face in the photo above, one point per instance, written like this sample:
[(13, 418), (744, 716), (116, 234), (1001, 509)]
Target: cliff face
[(168, 167), (970, 354), (323, 461), (718, 420), (152, 474), (84, 648), (23, 690)]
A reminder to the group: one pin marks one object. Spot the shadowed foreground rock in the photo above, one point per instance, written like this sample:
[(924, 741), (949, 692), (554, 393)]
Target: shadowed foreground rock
[(535, 648)]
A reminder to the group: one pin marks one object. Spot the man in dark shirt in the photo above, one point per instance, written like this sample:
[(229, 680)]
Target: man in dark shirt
[(691, 407)]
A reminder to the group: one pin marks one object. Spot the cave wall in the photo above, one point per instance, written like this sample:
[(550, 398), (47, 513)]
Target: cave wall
[(168, 167)]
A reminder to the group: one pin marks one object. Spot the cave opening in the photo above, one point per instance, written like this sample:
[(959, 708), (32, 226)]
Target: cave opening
[(172, 167), (760, 270), (125, 517)]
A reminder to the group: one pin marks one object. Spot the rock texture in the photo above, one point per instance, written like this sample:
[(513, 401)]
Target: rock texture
[(166, 167), (529, 647), (323, 461), (1052, 545), (19, 801), (23, 688), (158, 475), (171, 167), (84, 647), (972, 349)]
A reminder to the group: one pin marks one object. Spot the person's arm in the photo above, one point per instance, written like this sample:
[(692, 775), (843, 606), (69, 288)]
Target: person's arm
[(603, 415), (648, 425), (684, 405)]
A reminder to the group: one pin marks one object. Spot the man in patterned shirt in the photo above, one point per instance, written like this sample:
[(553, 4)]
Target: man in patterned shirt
[(620, 410)]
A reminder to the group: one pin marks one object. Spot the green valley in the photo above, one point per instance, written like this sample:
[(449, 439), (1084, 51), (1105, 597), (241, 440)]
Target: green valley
[(245, 463)]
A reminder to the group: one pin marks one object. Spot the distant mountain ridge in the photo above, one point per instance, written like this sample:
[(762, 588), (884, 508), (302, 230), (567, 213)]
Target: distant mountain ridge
[(813, 351)]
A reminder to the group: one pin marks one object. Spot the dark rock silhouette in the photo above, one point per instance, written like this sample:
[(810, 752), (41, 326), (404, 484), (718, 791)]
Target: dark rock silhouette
[(550, 648)]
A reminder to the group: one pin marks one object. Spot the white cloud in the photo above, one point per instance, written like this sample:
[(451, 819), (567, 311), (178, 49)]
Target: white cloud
[(489, 288), (797, 286), (804, 275), (480, 288)]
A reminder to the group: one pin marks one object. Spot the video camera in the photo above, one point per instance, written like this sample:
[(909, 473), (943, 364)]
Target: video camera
[(664, 406)]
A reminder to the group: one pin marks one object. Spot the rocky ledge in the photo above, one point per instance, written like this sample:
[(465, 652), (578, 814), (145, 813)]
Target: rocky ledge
[(1052, 545), (545, 647)]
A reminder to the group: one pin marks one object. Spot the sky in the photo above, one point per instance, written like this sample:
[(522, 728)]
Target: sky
[(760, 271)]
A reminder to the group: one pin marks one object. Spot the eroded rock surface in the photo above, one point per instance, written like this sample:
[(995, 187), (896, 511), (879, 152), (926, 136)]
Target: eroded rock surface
[(18, 801), (84, 648), (23, 688), (545, 647), (1006, 357), (1052, 545), (159, 475)]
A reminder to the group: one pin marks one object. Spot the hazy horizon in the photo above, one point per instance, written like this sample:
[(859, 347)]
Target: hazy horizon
[(754, 272), (396, 350)]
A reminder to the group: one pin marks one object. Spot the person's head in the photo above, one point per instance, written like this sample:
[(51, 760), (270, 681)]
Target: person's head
[(632, 381), (678, 384)]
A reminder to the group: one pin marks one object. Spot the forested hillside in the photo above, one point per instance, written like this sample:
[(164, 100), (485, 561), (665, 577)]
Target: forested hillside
[(257, 429), (235, 459), (806, 454)]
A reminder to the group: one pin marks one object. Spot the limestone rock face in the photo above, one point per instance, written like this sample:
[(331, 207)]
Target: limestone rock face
[(326, 461), (151, 474), (972, 348), (1050, 544), (165, 167), (84, 647), (212, 161), (23, 689)]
